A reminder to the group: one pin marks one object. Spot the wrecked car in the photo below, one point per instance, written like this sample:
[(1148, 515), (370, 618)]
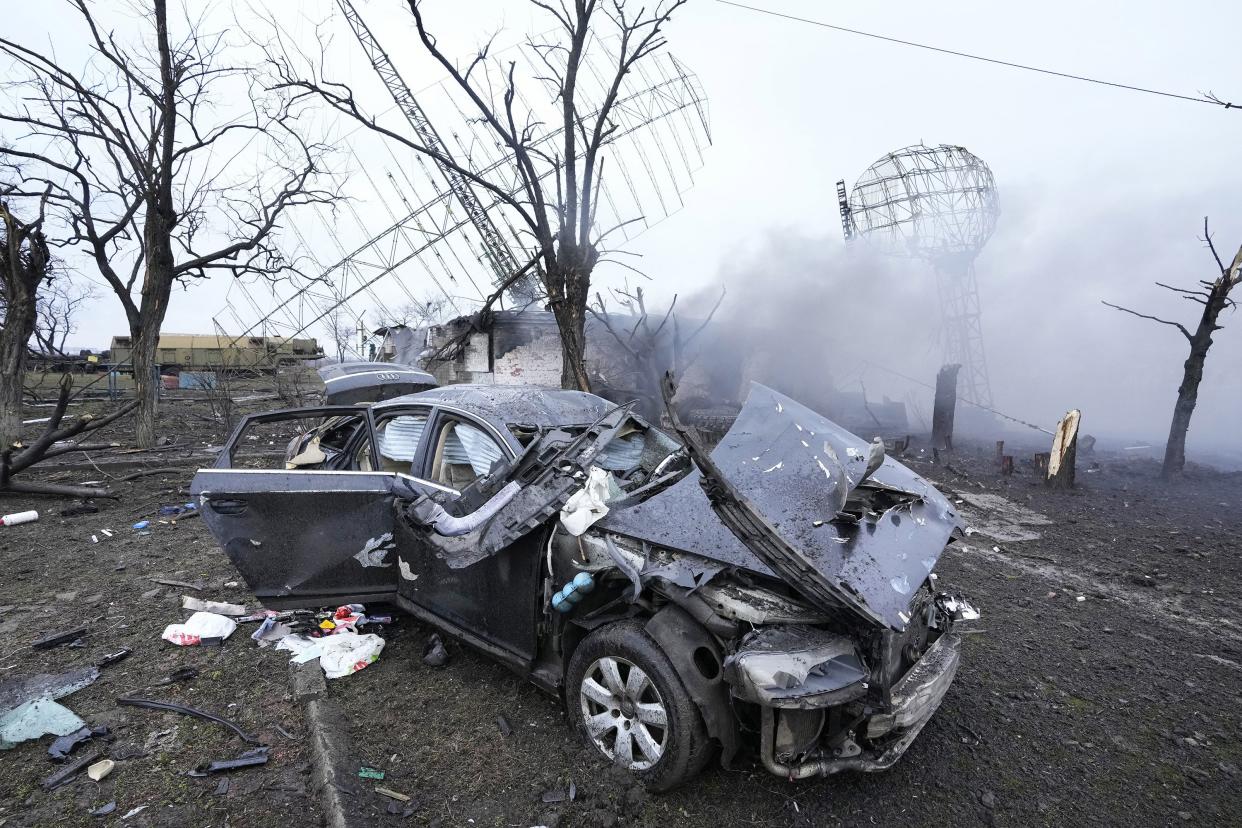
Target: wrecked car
[(777, 592)]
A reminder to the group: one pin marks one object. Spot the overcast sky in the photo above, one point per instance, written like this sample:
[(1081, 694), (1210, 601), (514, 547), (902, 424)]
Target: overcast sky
[(1102, 190)]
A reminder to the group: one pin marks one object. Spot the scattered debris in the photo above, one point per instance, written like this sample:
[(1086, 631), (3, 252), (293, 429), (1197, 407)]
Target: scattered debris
[(63, 746), (257, 756), (193, 604), (100, 769), (56, 639), (134, 811), (270, 631), (198, 628), (434, 653), (284, 733), (223, 787), (391, 794), (370, 773), (19, 517), (155, 704), (181, 674), (37, 718), (142, 524), (27, 709), (197, 587), (112, 658), (339, 655), (503, 724), (103, 810), (69, 771)]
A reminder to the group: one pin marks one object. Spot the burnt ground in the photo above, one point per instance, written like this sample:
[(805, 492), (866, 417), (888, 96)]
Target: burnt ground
[(1122, 708)]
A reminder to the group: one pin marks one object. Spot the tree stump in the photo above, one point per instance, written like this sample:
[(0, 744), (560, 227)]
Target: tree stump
[(944, 407), (1064, 451)]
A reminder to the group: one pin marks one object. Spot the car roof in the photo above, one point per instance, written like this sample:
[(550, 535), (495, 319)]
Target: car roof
[(513, 404)]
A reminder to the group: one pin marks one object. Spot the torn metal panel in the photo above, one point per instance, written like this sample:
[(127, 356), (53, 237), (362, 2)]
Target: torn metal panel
[(920, 691), (303, 538), (17, 691), (548, 472), (783, 480)]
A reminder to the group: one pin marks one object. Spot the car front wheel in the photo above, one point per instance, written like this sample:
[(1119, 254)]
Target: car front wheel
[(628, 703)]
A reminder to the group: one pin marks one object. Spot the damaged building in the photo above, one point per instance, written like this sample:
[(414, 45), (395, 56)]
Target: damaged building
[(523, 347)]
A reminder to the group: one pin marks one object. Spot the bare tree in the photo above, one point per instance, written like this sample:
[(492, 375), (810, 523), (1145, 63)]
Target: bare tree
[(25, 262), (652, 349), (56, 313), (558, 186), (414, 314), (141, 165), (341, 329), (1214, 297)]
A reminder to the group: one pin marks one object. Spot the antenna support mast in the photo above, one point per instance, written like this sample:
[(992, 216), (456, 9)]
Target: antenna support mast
[(498, 253)]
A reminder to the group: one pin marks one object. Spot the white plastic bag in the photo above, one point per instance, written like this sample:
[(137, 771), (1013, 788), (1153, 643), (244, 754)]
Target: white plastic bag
[(340, 655), (304, 648), (198, 626)]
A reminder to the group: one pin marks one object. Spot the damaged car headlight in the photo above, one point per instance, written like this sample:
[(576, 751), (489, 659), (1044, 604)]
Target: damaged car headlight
[(793, 666)]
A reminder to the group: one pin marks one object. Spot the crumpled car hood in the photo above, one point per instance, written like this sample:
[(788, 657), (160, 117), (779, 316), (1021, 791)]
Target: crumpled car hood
[(797, 469)]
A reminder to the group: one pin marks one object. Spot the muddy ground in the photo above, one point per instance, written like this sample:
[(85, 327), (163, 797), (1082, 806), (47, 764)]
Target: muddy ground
[(1120, 708)]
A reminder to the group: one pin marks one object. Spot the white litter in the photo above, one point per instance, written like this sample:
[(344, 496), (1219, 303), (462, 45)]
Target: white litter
[(588, 504), (218, 607), (134, 811), (303, 648), (339, 655), (346, 653), (198, 626)]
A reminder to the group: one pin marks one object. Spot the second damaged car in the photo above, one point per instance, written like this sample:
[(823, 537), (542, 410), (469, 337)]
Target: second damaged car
[(776, 593)]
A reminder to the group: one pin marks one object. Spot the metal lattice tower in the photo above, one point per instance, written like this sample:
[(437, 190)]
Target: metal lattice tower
[(430, 242), (938, 204), (497, 252)]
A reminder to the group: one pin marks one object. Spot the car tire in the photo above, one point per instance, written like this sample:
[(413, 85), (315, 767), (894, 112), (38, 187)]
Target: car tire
[(619, 711)]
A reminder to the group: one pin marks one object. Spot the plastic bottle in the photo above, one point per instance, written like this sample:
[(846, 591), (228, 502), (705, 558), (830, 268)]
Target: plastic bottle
[(19, 517)]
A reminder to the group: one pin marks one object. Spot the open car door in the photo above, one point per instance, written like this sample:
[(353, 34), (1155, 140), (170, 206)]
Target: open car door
[(302, 537)]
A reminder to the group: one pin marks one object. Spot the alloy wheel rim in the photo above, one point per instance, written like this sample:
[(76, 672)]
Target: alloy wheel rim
[(623, 712)]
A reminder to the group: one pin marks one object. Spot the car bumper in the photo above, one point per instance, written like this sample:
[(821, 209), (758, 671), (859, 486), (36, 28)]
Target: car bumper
[(914, 700)]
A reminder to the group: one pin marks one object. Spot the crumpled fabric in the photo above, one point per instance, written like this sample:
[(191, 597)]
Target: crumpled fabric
[(589, 504), (198, 626), (339, 655)]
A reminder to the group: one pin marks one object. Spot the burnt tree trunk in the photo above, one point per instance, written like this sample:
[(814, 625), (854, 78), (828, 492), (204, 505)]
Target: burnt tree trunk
[(569, 289), (23, 265), (161, 262), (1215, 300), (944, 407)]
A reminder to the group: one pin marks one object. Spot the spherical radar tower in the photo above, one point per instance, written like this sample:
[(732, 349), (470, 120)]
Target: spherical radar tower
[(937, 204)]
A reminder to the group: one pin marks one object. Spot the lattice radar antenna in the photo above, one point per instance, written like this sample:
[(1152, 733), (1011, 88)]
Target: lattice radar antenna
[(937, 204), (430, 244)]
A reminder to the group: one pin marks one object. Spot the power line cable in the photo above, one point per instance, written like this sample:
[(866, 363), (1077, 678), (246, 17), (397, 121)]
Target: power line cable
[(1209, 98)]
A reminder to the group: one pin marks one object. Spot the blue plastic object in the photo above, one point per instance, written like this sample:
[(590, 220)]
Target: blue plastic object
[(572, 592)]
